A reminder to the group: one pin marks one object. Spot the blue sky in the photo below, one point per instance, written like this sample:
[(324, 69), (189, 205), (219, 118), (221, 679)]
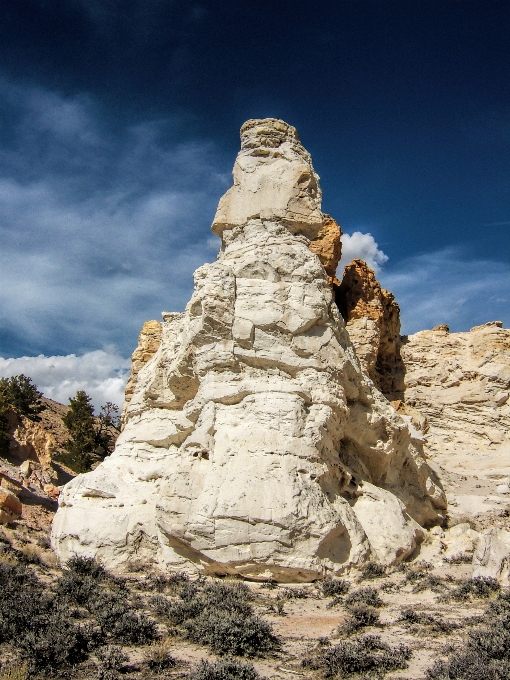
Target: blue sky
[(119, 126)]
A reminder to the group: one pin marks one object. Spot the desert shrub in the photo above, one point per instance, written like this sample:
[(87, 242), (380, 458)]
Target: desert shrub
[(224, 669), (230, 596), (219, 615), (372, 570), (432, 582), (43, 542), (295, 593), (87, 566), (333, 587), (36, 622), (15, 671), (435, 624), (360, 616), (480, 587), (368, 654), (366, 596), (460, 558), (162, 582), (110, 659), (231, 633), (270, 584), (55, 641), (134, 628), (158, 657), (486, 652)]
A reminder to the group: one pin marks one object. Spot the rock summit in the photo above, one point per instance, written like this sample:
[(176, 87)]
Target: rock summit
[(254, 441)]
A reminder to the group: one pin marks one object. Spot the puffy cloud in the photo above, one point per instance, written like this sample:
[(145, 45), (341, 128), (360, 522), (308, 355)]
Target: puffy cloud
[(101, 374), (363, 247)]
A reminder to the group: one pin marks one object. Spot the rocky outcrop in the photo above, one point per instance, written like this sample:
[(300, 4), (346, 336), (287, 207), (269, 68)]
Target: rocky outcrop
[(372, 319), (31, 441), (148, 343), (461, 384), (327, 245), (492, 556), (254, 444)]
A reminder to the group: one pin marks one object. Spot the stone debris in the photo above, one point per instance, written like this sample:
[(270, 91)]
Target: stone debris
[(253, 441)]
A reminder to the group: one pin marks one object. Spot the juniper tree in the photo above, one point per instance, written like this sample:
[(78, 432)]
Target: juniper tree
[(90, 439), (79, 421), (17, 393)]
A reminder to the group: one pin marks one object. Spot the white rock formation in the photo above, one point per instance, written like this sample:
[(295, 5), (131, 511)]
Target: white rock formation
[(461, 383), (253, 442)]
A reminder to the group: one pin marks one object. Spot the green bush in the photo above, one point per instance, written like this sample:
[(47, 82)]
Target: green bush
[(20, 394), (363, 655), (224, 669)]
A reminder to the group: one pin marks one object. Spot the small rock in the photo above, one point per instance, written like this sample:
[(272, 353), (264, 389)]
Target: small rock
[(10, 506), (503, 488), (26, 468)]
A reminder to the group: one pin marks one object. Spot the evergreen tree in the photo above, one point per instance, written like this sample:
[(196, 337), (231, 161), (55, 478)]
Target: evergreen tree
[(17, 393), (90, 439), (79, 421), (20, 394)]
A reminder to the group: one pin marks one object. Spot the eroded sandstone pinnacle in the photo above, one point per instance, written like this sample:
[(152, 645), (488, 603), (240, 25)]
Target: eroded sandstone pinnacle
[(254, 443)]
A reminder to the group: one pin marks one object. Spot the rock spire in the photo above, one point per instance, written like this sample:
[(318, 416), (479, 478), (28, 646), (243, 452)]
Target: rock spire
[(254, 444)]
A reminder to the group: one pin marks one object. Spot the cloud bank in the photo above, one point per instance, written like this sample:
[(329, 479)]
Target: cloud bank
[(101, 374), (448, 286)]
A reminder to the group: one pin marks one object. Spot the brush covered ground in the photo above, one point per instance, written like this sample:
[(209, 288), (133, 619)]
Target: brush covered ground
[(79, 621)]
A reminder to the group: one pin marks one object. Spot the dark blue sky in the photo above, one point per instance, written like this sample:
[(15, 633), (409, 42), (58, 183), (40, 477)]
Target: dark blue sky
[(119, 126)]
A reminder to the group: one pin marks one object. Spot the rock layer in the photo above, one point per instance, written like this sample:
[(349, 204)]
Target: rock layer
[(253, 442), (461, 384)]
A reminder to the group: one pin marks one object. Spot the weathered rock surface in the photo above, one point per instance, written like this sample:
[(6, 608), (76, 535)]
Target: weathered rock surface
[(148, 343), (328, 247), (10, 506), (492, 556), (253, 442), (461, 383), (372, 319)]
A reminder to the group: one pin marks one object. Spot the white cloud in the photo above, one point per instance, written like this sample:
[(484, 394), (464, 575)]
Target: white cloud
[(101, 228), (361, 246), (448, 287), (101, 374)]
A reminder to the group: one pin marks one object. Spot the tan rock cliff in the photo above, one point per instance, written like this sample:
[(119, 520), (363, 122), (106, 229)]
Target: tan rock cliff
[(372, 319)]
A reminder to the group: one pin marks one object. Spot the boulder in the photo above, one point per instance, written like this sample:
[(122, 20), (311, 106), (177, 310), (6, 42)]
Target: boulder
[(10, 506), (492, 556), (254, 443)]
